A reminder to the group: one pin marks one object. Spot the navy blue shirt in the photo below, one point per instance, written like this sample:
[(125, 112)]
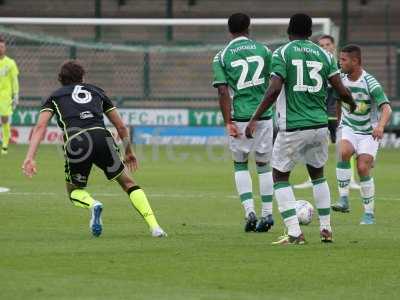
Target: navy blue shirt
[(78, 107)]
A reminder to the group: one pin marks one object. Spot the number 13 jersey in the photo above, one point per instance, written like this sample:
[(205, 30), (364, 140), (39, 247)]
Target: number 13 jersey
[(244, 66), (305, 69)]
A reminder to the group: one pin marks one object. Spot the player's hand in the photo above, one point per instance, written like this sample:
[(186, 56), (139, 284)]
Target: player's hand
[(131, 161), (377, 133), (352, 107), (29, 167), (233, 130), (250, 129)]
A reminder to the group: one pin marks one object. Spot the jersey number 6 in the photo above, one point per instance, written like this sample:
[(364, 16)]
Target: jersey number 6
[(81, 96)]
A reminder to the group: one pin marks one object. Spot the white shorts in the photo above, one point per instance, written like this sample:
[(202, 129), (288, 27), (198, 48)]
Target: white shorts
[(261, 144), (305, 146), (362, 143)]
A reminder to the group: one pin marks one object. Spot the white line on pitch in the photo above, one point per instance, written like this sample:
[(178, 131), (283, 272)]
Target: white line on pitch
[(194, 195)]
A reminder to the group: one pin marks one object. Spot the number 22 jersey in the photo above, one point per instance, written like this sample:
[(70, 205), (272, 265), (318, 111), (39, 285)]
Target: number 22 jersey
[(244, 65)]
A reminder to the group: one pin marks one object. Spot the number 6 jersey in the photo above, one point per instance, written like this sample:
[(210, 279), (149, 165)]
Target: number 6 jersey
[(78, 107), (244, 65), (305, 69)]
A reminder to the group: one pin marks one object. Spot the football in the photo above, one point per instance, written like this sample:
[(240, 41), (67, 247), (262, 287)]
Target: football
[(304, 211)]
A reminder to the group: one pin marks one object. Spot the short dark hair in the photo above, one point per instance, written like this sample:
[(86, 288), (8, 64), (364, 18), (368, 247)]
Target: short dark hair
[(327, 36), (300, 25), (353, 50), (2, 40), (238, 23), (71, 72)]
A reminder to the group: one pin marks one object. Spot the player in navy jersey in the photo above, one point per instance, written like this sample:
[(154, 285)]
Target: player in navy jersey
[(79, 108)]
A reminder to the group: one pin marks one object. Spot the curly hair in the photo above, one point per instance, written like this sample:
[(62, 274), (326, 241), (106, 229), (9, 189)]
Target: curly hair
[(71, 72)]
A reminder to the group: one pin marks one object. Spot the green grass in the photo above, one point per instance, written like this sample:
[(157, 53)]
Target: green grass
[(47, 251)]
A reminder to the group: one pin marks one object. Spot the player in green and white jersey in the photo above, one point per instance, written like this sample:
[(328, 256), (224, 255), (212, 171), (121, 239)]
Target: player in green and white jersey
[(327, 42), (360, 130), (300, 74), (241, 73)]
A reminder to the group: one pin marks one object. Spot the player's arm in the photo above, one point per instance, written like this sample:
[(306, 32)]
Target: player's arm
[(123, 132), (338, 111), (385, 114), (272, 93), (15, 85), (29, 165), (344, 93), (380, 98), (225, 104)]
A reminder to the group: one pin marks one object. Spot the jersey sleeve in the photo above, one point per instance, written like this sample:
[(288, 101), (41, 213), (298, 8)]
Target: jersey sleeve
[(107, 104), (377, 93), (278, 64), (268, 64), (219, 76), (14, 78), (332, 67), (48, 105)]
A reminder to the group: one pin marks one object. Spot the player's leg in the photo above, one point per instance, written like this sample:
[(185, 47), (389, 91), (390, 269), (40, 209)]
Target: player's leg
[(364, 165), (78, 164), (140, 203), (284, 157), (322, 198), (353, 183), (108, 159), (240, 148), (347, 148), (316, 157), (81, 198), (266, 190), (368, 149), (263, 153), (6, 131)]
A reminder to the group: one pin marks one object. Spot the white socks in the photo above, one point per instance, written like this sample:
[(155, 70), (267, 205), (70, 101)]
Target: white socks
[(287, 207), (322, 199), (343, 176), (367, 193), (266, 189)]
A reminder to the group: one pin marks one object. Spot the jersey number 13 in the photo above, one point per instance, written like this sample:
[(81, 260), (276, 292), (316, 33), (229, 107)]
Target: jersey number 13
[(315, 67)]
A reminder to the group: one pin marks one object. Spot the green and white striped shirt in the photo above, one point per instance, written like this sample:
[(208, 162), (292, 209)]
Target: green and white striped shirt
[(369, 96)]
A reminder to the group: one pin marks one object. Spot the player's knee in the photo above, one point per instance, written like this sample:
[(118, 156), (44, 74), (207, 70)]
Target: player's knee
[(315, 173), (346, 155), (363, 168), (279, 176), (125, 182), (263, 167), (240, 166)]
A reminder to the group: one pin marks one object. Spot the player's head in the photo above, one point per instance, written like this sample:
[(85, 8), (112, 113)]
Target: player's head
[(239, 24), (300, 26), (71, 72), (327, 42), (350, 58), (2, 46)]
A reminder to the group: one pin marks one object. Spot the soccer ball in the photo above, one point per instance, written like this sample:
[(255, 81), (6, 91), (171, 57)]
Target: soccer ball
[(304, 211)]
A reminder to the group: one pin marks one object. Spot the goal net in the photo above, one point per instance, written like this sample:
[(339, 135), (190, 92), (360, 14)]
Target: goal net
[(139, 62)]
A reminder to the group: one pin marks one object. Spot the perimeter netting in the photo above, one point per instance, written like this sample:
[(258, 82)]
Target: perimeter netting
[(132, 63)]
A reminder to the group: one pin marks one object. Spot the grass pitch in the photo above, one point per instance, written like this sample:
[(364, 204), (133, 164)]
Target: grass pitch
[(47, 251)]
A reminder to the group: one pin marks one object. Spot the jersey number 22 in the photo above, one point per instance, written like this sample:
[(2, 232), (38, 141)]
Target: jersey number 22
[(256, 80)]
